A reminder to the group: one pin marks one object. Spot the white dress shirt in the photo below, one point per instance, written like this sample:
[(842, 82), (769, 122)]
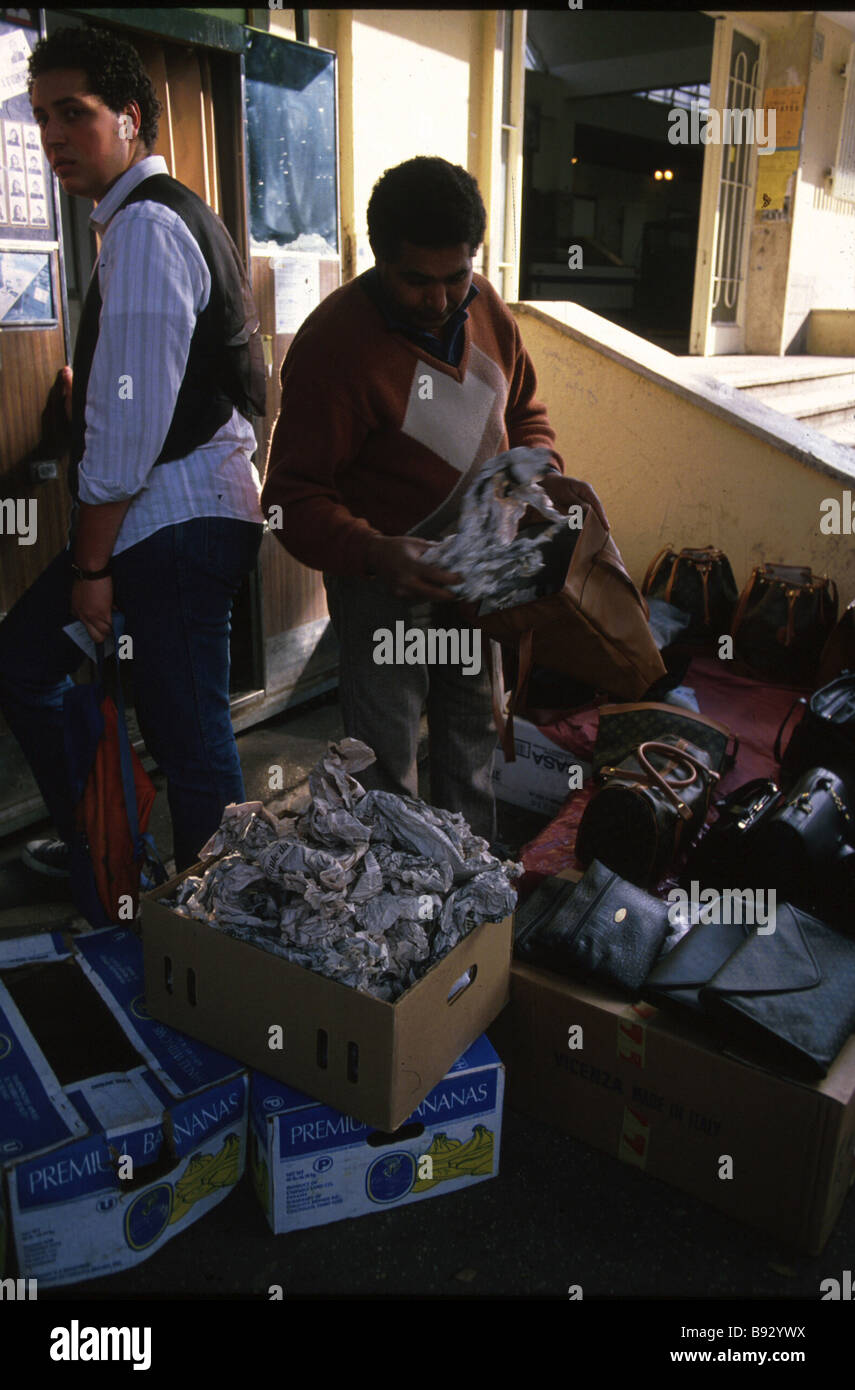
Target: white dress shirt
[(154, 284)]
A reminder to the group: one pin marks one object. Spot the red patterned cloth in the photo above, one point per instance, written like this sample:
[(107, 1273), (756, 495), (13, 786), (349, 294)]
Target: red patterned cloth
[(753, 710)]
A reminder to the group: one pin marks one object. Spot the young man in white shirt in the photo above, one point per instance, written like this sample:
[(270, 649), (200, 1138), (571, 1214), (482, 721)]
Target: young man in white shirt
[(166, 522)]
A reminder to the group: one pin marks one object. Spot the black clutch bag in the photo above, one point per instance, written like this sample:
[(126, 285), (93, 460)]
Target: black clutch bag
[(675, 982), (788, 995), (601, 928)]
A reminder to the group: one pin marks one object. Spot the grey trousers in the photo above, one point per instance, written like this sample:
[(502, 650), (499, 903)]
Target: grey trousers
[(382, 704)]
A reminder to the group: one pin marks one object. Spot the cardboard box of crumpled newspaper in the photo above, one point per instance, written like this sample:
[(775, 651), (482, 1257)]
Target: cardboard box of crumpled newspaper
[(371, 1059), (115, 1132), (311, 1165)]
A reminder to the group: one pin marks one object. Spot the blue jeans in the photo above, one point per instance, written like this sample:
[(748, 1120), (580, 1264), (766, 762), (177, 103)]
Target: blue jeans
[(176, 590)]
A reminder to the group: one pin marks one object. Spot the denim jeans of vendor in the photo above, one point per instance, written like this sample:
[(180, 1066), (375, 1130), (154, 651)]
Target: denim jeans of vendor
[(176, 590)]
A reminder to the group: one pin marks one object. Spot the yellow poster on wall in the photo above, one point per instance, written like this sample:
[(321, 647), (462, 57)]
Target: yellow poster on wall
[(773, 176), (788, 103)]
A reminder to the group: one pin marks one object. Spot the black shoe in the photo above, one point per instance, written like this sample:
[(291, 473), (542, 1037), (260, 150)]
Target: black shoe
[(47, 857)]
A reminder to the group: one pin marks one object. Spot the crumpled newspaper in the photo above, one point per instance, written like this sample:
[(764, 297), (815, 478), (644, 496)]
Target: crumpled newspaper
[(494, 561), (368, 888)]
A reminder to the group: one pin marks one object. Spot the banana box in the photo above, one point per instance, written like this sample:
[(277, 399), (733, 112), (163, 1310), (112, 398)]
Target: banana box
[(116, 1132), (311, 1165)]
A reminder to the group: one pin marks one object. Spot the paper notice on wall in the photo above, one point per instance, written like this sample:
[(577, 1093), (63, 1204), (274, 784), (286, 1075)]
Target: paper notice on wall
[(17, 273), (14, 56), (774, 173), (788, 103), (297, 289)]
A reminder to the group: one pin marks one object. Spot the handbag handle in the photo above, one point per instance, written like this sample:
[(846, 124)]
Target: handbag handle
[(651, 774), (777, 750), (505, 727), (653, 566)]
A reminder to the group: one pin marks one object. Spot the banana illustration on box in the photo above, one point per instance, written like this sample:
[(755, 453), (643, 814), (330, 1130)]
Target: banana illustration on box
[(454, 1159), (204, 1173)]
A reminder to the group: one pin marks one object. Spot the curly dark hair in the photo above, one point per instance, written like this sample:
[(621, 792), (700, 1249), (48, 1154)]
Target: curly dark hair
[(114, 71), (428, 202)]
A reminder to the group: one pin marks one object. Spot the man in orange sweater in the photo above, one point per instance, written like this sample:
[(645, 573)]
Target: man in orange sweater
[(394, 392)]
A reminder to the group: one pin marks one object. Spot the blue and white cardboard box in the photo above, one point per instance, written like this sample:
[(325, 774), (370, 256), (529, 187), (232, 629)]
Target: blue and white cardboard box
[(312, 1165), (100, 1171)]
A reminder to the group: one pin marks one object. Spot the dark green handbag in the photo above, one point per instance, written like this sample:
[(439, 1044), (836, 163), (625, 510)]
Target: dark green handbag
[(783, 621), (700, 582)]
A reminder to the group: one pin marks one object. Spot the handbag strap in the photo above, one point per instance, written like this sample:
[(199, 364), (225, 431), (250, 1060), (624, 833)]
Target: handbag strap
[(517, 698), (743, 602), (504, 726), (653, 567), (777, 750)]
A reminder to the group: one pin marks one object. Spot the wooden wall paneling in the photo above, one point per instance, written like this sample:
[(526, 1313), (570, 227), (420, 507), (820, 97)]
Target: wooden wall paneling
[(209, 134), (31, 358), (153, 58), (293, 596), (185, 85), (224, 69)]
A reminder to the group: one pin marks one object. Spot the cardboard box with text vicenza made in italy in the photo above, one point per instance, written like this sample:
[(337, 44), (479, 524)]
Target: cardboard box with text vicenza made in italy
[(368, 1058), (657, 1095)]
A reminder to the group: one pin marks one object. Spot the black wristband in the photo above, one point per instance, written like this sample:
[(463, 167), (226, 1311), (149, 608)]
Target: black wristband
[(91, 574)]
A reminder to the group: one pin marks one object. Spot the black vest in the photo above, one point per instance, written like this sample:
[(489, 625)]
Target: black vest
[(225, 367)]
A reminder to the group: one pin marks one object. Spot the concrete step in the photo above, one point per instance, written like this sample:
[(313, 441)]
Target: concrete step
[(746, 371), (842, 433), (834, 384), (818, 409)]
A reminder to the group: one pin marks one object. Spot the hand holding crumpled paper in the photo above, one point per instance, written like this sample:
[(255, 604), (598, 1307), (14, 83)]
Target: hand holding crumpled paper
[(495, 562)]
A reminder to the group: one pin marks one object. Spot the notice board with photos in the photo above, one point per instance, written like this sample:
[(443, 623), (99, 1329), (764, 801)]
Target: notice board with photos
[(29, 242)]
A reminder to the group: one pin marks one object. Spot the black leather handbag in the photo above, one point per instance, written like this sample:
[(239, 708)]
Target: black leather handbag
[(783, 621), (788, 996), (601, 928), (700, 582), (722, 857), (676, 981), (806, 831), (825, 736), (649, 807)]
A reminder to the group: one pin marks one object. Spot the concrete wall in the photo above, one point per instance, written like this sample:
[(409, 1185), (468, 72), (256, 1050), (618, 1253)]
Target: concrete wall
[(822, 253), (670, 469), (831, 333), (806, 259), (788, 63)]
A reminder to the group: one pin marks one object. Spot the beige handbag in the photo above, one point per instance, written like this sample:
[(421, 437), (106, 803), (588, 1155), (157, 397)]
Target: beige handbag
[(592, 626)]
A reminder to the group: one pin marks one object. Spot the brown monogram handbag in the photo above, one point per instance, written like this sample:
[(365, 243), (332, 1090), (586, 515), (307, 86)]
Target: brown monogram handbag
[(650, 805)]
